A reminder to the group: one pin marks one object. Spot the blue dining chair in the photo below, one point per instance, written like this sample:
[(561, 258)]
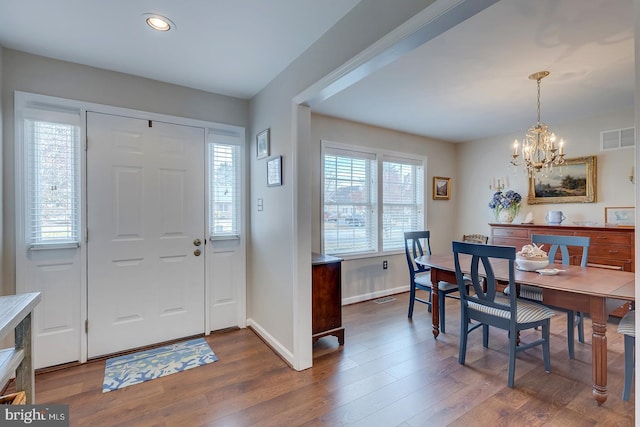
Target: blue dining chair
[(416, 244), (561, 243), (490, 307), (627, 327)]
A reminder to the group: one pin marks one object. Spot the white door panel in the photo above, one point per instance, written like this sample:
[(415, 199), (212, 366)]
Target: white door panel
[(56, 322), (145, 209)]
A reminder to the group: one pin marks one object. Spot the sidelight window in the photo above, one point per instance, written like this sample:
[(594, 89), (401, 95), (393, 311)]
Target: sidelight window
[(52, 152)]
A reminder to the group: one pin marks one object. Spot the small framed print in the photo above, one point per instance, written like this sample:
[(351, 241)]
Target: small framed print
[(441, 188), (262, 144), (274, 171), (620, 216)]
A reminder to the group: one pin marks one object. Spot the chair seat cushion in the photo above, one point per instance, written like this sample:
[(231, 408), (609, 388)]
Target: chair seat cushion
[(627, 325), (530, 292), (527, 292), (423, 279), (527, 311), (446, 286)]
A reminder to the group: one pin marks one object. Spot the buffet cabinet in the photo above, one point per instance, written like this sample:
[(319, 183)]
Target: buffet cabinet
[(326, 296), (610, 247)]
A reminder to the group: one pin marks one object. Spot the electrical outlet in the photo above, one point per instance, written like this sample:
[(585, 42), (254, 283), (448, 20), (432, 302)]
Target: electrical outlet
[(384, 264)]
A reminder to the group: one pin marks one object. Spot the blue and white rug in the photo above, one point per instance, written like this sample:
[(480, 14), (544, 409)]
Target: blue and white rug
[(147, 365)]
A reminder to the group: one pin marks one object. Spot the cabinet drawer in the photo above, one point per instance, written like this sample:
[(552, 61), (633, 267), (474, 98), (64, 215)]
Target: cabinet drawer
[(624, 265), (610, 251), (506, 241), (510, 232), (607, 238)]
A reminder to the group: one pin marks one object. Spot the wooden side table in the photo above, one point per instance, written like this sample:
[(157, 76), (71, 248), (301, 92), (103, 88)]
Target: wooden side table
[(326, 297)]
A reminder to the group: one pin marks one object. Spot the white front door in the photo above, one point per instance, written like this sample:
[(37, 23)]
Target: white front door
[(145, 216)]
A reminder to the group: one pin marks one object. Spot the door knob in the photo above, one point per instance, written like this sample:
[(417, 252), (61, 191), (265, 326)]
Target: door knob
[(197, 242), (197, 252)]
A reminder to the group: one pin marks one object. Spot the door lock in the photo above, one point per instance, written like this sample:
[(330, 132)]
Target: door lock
[(197, 242), (197, 252)]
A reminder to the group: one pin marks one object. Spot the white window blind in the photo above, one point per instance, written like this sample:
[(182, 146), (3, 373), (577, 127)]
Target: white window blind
[(52, 196), (224, 190), (350, 201), (402, 200)]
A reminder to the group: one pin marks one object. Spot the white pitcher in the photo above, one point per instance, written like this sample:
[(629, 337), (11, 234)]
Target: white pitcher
[(555, 217)]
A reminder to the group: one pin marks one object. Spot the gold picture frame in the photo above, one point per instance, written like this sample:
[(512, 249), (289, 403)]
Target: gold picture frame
[(441, 188), (573, 182)]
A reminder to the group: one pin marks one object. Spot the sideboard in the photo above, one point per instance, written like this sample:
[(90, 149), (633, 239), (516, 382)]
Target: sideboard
[(610, 247)]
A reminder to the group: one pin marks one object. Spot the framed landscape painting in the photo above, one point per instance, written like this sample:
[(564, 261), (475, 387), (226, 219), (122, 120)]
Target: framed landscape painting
[(441, 188), (573, 182)]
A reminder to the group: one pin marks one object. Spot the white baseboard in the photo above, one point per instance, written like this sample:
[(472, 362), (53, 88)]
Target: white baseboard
[(374, 295), (273, 343)]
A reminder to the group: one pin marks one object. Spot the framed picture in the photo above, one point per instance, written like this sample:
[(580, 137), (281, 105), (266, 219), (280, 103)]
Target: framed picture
[(573, 182), (620, 216), (274, 171), (441, 188), (262, 144)]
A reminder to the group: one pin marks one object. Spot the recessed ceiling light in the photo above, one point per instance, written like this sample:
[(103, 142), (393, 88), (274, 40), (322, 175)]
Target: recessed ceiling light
[(159, 22)]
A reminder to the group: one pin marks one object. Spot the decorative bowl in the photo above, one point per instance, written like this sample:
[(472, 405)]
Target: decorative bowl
[(531, 264)]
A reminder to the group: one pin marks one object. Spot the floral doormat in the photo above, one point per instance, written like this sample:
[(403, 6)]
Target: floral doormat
[(158, 362)]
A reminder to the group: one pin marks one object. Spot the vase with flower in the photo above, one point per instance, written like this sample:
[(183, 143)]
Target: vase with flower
[(505, 205)]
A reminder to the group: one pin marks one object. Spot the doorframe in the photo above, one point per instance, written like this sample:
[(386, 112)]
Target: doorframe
[(23, 100)]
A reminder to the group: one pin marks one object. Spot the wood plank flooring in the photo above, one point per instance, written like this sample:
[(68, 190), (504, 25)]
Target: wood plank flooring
[(391, 372)]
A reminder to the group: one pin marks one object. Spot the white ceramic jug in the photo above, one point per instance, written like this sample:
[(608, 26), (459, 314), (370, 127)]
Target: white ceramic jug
[(555, 217)]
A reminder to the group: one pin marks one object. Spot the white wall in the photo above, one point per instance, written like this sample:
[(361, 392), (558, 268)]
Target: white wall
[(480, 161), (36, 74), (364, 278)]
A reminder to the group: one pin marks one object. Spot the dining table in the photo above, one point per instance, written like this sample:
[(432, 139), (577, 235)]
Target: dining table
[(583, 289)]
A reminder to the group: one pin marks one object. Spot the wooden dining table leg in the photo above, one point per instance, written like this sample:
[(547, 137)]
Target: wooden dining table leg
[(435, 304), (599, 349)]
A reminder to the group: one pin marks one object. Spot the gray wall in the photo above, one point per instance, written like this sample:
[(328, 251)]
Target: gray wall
[(30, 73)]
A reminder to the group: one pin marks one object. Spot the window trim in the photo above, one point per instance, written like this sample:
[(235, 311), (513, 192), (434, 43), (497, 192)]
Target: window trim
[(380, 156)]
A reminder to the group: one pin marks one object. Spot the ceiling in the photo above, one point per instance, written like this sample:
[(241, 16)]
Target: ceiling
[(468, 83)]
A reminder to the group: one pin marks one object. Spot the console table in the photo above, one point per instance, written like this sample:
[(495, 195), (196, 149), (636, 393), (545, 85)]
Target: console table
[(326, 297), (15, 315)]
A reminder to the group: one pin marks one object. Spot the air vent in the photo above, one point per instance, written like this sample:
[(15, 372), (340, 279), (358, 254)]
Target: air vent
[(617, 138)]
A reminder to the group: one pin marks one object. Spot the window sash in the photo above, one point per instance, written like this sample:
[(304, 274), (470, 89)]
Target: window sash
[(52, 196), (403, 201), (224, 190), (350, 206)]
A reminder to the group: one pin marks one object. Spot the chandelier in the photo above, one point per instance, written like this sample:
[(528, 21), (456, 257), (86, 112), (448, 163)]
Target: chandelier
[(539, 149)]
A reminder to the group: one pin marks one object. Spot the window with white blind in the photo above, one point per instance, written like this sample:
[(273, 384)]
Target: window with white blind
[(402, 200), (52, 196), (369, 199), (350, 209), (224, 190)]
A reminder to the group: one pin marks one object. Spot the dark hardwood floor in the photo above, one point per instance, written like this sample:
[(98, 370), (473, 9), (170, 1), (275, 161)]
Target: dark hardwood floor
[(391, 372)]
